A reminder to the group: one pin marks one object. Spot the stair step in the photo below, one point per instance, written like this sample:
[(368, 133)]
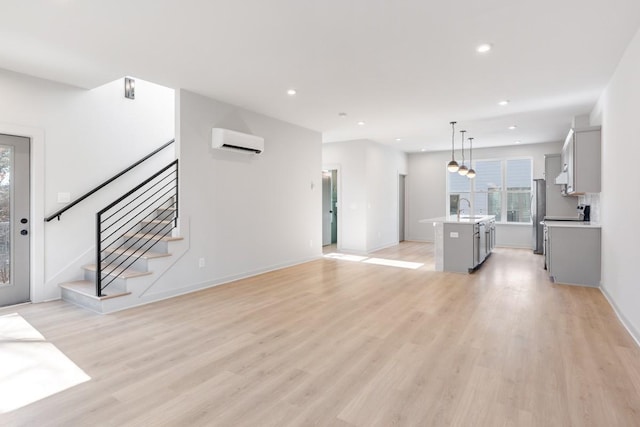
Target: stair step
[(88, 289), (152, 237), (121, 273), (136, 253), (158, 221)]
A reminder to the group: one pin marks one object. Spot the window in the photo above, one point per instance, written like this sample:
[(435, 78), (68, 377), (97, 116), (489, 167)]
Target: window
[(501, 188)]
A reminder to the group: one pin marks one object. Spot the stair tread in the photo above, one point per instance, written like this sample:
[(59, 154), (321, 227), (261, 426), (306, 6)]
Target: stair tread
[(157, 221), (152, 237), (88, 289), (122, 273), (136, 252)]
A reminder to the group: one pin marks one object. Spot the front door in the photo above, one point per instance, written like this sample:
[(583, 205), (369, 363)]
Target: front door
[(14, 220)]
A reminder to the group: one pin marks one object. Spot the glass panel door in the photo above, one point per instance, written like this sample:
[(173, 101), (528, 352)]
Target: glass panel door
[(14, 220)]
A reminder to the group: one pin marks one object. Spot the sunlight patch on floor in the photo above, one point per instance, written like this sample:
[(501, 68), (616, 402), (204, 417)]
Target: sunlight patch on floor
[(31, 368), (378, 261), (345, 257), (394, 263)]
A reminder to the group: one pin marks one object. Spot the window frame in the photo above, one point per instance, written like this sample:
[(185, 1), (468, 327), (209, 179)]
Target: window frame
[(504, 192)]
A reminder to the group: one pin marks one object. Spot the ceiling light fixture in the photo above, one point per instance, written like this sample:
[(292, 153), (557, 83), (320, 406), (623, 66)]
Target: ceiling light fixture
[(503, 102), (423, 149), (518, 142), (471, 173), (484, 48), (360, 123), (513, 127), (292, 92), (463, 170), (398, 139), (453, 165)]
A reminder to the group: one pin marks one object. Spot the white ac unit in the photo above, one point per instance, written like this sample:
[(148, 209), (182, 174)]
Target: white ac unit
[(232, 140)]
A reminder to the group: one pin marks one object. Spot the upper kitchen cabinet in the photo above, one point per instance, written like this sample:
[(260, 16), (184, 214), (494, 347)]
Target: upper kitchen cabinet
[(581, 161)]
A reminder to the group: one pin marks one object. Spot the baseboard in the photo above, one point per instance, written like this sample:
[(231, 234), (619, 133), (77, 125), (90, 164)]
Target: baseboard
[(196, 287), (625, 322)]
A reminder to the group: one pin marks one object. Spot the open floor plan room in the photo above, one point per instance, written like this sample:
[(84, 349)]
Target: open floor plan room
[(335, 342)]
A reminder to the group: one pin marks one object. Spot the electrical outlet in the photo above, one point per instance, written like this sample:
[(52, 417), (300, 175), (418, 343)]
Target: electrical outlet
[(453, 234), (201, 263)]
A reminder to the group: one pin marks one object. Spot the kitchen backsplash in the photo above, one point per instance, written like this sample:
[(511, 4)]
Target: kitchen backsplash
[(592, 199)]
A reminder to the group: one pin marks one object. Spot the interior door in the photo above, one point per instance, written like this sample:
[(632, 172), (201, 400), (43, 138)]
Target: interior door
[(326, 210), (401, 203), (14, 220)]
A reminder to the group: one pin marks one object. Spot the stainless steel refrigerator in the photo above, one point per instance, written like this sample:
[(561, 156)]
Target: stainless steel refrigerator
[(538, 212)]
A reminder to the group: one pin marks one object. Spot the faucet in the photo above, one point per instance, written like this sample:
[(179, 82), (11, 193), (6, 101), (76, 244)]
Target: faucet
[(459, 203)]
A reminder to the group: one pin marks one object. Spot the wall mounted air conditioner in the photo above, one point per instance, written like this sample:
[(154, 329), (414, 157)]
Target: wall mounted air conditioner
[(238, 141)]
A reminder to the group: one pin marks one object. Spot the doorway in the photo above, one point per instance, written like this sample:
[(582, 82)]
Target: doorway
[(14, 220), (329, 207), (401, 205)]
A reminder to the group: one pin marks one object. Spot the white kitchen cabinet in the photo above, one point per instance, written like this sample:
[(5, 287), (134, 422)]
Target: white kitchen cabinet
[(581, 160)]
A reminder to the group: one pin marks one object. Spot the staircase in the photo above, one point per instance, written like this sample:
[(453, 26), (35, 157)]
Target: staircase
[(148, 249), (135, 238)]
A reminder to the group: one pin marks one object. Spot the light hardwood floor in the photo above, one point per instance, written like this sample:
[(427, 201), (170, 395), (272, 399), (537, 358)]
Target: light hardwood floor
[(340, 343)]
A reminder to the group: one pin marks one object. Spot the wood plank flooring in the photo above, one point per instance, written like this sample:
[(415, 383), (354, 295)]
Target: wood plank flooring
[(340, 343)]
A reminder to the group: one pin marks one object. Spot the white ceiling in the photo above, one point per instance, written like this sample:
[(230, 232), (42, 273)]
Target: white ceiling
[(405, 67)]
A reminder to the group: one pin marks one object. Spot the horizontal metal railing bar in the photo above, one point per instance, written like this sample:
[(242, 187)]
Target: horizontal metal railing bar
[(137, 187), (165, 189), (120, 246), (110, 245), (123, 245), (138, 214), (171, 174), (59, 213), (166, 233)]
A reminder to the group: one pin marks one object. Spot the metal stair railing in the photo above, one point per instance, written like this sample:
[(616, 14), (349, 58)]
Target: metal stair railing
[(153, 206)]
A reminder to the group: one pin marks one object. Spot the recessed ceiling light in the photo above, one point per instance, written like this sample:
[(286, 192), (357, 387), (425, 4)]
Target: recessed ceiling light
[(360, 123), (423, 149), (518, 142), (342, 115), (398, 139), (503, 102), (513, 127), (291, 92), (483, 48)]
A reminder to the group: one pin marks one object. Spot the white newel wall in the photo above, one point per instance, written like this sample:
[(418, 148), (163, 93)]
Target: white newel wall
[(80, 138), (246, 213)]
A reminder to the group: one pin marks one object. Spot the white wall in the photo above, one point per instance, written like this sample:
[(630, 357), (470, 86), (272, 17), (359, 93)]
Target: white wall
[(367, 193), (81, 138), (245, 213), (620, 201), (428, 186)]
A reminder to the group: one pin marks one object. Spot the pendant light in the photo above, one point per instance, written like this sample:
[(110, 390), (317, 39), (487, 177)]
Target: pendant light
[(471, 173), (453, 165), (463, 170)]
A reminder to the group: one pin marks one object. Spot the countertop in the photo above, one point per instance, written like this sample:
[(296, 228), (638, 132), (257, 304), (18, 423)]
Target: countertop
[(572, 224), (453, 219)]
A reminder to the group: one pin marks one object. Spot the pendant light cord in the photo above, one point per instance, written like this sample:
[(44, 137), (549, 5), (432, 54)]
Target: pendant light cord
[(453, 135)]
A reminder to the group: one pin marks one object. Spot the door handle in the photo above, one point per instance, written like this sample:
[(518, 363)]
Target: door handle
[(24, 232)]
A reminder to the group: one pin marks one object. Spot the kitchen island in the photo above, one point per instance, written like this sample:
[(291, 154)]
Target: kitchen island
[(462, 243)]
